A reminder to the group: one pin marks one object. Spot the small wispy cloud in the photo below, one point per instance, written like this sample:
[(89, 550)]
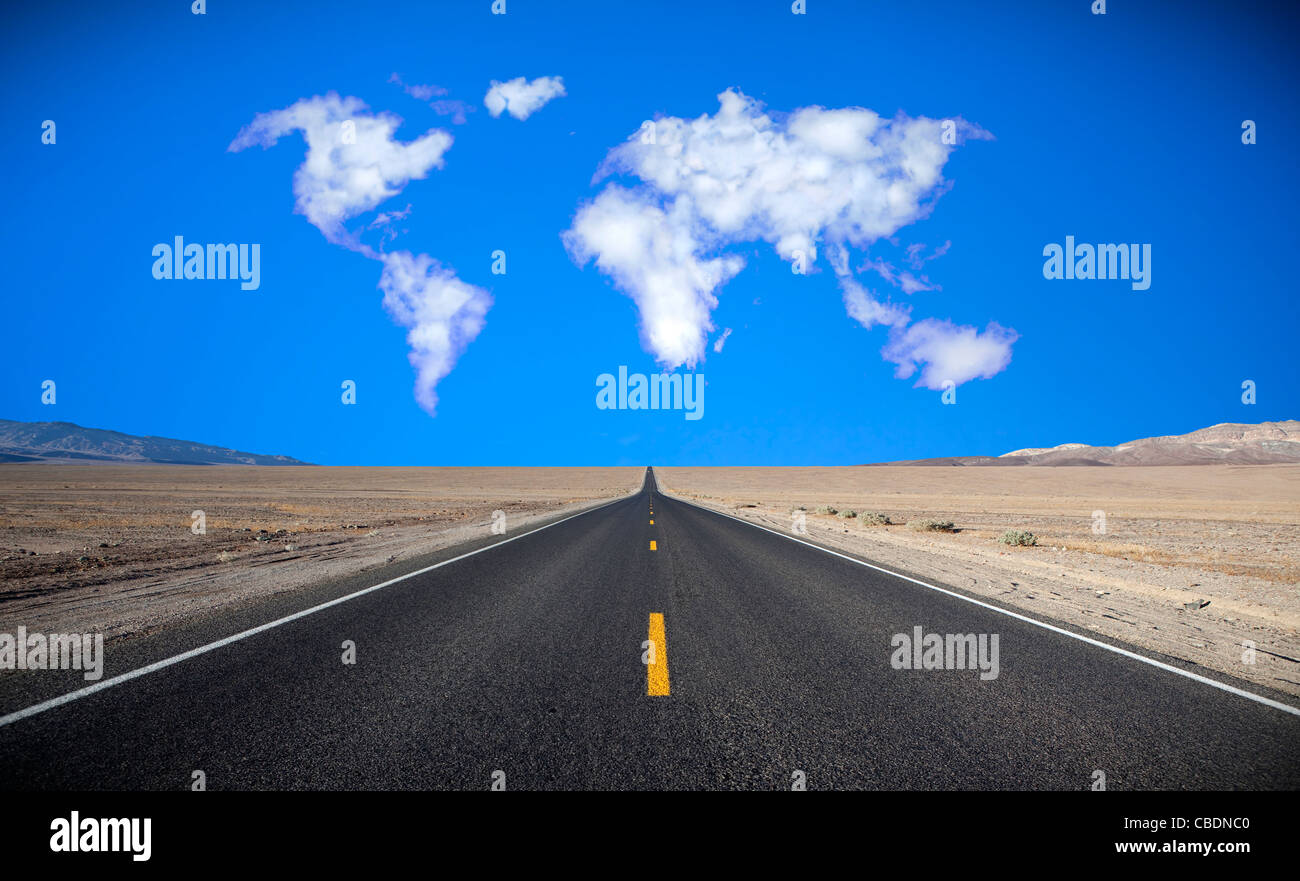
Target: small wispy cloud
[(916, 254), (865, 309), (443, 106), (521, 98), (903, 279), (722, 340), (453, 107), (418, 92)]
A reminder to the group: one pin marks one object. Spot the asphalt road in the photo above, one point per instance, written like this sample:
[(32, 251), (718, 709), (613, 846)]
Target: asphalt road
[(528, 659)]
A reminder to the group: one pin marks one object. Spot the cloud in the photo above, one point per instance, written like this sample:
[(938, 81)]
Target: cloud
[(916, 254), (419, 93), (861, 304), (521, 98), (837, 178), (653, 254), (443, 313), (352, 165), (722, 340), (453, 107), (949, 353), (909, 283), (865, 309)]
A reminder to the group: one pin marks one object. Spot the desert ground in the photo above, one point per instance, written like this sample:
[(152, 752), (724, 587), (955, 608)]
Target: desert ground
[(111, 548), (1194, 561)]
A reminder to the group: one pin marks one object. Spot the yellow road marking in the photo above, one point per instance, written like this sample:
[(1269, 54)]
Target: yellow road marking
[(652, 546), (656, 674), (652, 521)]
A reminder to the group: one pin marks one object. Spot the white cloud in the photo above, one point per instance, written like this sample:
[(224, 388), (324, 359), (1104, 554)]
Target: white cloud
[(916, 254), (722, 340), (443, 313), (653, 255), (349, 169), (353, 164), (453, 107), (865, 309), (909, 283), (521, 98), (417, 91), (815, 178), (949, 352), (861, 304)]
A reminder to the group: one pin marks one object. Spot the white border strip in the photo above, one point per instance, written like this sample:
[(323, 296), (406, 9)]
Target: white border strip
[(1205, 680), (221, 643)]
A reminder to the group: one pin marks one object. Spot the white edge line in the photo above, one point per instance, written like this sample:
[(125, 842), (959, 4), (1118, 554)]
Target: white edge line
[(253, 631), (1223, 686)]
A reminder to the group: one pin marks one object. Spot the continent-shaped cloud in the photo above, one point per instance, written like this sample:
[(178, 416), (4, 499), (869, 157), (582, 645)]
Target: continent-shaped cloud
[(353, 164), (834, 179)]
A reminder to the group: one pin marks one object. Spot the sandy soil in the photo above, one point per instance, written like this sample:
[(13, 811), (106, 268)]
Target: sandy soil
[(110, 548), (1194, 560)]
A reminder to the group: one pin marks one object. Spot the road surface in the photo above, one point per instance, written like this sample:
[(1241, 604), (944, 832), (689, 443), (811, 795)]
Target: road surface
[(524, 663)]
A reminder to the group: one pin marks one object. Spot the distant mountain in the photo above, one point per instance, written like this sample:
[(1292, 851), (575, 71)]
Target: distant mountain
[(1230, 443), (64, 442)]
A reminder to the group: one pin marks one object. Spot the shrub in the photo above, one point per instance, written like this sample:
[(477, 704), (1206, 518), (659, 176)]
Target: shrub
[(826, 509), (874, 518), (931, 525), (848, 513), (1019, 537)]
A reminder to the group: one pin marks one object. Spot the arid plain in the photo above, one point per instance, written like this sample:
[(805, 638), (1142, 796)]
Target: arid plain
[(1197, 562), (113, 548), (1194, 562)]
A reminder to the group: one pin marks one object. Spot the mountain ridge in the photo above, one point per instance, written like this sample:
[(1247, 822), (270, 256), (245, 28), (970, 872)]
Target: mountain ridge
[(1227, 443), (67, 442)]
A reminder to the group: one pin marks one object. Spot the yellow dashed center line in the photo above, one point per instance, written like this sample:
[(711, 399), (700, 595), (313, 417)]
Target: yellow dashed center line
[(656, 674), (652, 521), (653, 547)]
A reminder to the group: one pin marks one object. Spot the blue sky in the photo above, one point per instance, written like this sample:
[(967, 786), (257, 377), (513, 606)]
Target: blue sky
[(1123, 128)]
